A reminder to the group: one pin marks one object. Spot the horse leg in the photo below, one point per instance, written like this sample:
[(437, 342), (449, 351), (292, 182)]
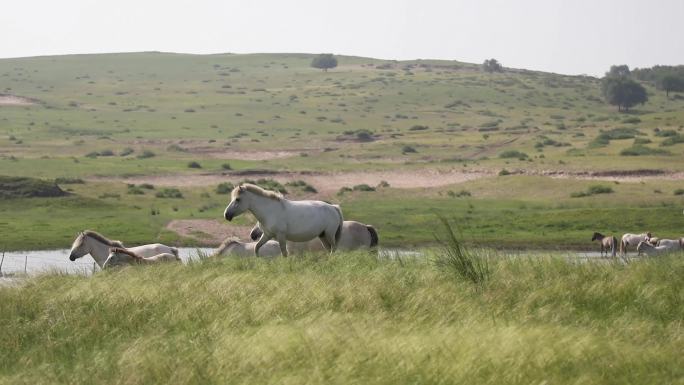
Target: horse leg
[(264, 238), (282, 241), (325, 243)]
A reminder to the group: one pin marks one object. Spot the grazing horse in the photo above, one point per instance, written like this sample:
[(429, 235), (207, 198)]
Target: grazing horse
[(120, 257), (232, 246), (632, 240), (286, 220), (97, 245), (607, 243), (355, 235), (650, 250)]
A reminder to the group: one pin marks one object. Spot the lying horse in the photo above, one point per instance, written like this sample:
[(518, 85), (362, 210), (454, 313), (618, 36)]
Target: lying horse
[(650, 250), (632, 240), (120, 257), (97, 245), (285, 220), (674, 244), (355, 235), (232, 246), (607, 243)]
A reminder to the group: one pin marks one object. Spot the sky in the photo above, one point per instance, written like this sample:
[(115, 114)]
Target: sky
[(569, 37)]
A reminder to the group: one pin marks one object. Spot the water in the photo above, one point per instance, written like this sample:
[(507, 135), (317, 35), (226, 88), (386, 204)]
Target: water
[(36, 262)]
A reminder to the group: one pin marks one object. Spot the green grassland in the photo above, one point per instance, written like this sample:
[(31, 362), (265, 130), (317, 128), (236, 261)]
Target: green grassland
[(348, 318), (95, 116)]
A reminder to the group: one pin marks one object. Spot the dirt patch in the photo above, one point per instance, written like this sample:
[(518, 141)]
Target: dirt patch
[(208, 231), (325, 183), (218, 153), (13, 100)]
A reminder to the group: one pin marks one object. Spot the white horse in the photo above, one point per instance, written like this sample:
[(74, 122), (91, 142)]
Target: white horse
[(632, 240), (97, 245), (232, 246), (286, 220), (674, 244), (650, 250), (121, 257), (355, 235)]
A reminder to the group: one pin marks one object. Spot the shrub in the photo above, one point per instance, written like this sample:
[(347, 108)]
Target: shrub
[(23, 187), (147, 186), (224, 188), (169, 193), (408, 149), (363, 187), (640, 150), (679, 191), (592, 190), (135, 190), (66, 180), (146, 154), (455, 259), (672, 140), (106, 153), (226, 166), (513, 154), (302, 185), (194, 164), (504, 172), (126, 151), (418, 128), (344, 190), (268, 184)]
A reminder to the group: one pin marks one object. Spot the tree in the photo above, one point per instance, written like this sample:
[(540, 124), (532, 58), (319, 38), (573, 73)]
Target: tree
[(324, 61), (671, 82), (623, 92), (618, 71), (492, 65)]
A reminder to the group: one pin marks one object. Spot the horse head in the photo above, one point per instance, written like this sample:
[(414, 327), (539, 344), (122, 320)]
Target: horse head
[(596, 236), (238, 204), (78, 248), (256, 232)]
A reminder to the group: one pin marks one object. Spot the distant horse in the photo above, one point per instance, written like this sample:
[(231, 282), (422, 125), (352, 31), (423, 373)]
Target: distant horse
[(121, 257), (355, 235), (607, 243), (632, 240), (674, 244), (97, 245), (650, 250), (286, 220), (233, 246)]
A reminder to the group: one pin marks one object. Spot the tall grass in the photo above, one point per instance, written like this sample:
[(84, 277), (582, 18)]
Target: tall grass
[(458, 260), (348, 319)]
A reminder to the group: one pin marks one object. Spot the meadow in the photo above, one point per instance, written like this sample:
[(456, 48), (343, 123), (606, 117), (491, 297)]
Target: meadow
[(349, 318)]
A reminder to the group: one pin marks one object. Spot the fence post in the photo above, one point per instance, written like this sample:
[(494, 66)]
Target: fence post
[(1, 262), (25, 263)]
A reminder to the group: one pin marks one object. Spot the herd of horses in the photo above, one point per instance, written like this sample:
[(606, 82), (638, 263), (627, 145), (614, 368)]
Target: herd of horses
[(297, 226), (300, 226), (644, 243)]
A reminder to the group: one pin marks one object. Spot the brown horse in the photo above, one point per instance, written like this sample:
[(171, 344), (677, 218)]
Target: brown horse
[(607, 243)]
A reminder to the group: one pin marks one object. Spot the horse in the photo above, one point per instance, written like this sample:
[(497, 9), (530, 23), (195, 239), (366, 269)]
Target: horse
[(674, 244), (654, 241), (233, 246), (355, 235), (120, 256), (286, 220), (632, 239), (650, 250), (97, 245), (607, 242)]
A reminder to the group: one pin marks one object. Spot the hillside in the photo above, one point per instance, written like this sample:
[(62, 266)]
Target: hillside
[(439, 133)]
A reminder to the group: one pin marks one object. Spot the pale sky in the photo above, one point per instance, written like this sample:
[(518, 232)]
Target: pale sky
[(571, 37)]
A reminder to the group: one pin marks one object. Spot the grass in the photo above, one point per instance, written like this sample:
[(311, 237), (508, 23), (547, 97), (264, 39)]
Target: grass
[(350, 318)]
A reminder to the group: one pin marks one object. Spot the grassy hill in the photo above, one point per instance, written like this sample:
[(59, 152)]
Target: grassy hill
[(145, 117)]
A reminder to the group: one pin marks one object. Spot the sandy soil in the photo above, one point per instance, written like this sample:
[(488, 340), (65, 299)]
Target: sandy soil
[(11, 100), (209, 231), (325, 183)]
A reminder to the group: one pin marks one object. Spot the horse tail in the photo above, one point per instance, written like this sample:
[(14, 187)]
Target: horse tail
[(373, 234), (338, 232), (622, 246), (613, 246)]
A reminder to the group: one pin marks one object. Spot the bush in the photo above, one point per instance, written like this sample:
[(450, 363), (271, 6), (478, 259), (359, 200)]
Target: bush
[(455, 259), (194, 164), (640, 150), (268, 184), (126, 151), (513, 154), (418, 128), (147, 186), (169, 193), (22, 187), (135, 190), (146, 154), (363, 187), (226, 166), (224, 188), (672, 140), (408, 150), (302, 185), (344, 190), (65, 180), (504, 172), (592, 190), (679, 191)]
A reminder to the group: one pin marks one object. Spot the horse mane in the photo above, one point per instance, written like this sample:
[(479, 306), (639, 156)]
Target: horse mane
[(126, 251), (254, 189), (99, 237)]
